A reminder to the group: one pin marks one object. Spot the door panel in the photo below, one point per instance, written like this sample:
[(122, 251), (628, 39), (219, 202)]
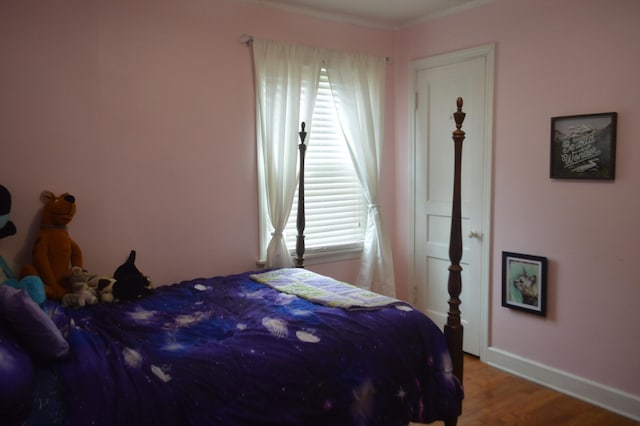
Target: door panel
[(438, 84)]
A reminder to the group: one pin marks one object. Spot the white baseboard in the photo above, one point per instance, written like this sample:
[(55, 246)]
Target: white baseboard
[(622, 403)]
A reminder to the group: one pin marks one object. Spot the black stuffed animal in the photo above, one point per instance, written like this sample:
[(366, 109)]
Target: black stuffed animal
[(130, 283), (7, 228)]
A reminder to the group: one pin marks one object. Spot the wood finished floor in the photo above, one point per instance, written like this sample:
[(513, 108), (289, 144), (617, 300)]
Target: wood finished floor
[(493, 397)]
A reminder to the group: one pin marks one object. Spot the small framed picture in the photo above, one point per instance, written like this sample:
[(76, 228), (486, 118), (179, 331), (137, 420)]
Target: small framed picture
[(524, 282), (584, 146)]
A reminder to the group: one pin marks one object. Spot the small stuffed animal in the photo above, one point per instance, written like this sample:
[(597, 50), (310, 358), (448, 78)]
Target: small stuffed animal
[(130, 282), (7, 227), (80, 298), (81, 292), (127, 283), (54, 251), (32, 285), (104, 288), (77, 278)]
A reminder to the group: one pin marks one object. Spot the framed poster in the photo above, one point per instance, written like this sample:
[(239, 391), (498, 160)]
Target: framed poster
[(584, 146), (524, 282)]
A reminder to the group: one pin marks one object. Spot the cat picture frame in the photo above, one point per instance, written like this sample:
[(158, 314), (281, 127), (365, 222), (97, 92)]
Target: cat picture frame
[(524, 282)]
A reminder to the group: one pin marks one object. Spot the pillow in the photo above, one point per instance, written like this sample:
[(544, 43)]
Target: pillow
[(16, 379), (32, 326)]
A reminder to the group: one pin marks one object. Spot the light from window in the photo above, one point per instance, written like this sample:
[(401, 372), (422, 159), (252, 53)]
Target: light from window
[(335, 208)]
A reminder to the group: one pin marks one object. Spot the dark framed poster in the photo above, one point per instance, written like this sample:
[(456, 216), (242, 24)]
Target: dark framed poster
[(584, 146), (524, 282)]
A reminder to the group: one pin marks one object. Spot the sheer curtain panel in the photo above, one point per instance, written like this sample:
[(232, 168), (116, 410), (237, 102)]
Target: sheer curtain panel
[(286, 81), (357, 83)]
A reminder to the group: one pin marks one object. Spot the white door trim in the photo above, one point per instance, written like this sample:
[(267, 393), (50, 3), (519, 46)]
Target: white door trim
[(488, 52)]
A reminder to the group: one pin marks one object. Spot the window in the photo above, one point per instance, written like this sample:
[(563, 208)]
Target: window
[(285, 75), (335, 208)]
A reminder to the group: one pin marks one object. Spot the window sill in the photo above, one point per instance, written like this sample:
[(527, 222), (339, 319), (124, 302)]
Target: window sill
[(325, 256), (317, 257)]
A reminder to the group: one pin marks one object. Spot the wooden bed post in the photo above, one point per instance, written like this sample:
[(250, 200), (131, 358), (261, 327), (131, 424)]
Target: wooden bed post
[(453, 329), (300, 221)]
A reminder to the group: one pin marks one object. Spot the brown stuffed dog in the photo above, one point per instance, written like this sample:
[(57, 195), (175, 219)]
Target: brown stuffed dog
[(54, 252)]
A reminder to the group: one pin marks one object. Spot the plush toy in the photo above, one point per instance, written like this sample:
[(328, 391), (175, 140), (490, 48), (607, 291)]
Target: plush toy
[(82, 296), (130, 282), (127, 283), (54, 251), (104, 286), (7, 227), (32, 285), (77, 278)]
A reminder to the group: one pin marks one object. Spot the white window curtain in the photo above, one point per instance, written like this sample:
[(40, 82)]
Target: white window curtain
[(286, 80), (357, 83)]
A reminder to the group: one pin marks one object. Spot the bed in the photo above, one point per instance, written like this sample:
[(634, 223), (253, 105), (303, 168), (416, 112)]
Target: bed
[(275, 347)]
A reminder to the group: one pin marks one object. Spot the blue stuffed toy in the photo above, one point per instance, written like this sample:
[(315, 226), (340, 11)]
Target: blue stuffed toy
[(33, 285)]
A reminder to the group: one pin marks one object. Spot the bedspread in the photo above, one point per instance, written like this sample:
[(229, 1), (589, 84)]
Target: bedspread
[(230, 351)]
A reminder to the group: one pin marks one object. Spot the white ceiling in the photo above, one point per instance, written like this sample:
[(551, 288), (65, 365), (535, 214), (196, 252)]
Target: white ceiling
[(377, 13)]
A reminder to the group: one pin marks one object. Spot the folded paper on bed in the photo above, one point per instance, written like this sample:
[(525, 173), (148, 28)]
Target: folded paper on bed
[(323, 290)]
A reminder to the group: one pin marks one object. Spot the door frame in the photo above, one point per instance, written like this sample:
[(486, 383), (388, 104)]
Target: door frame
[(488, 52)]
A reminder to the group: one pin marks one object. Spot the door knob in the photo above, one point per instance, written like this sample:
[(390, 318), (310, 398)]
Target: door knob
[(475, 234)]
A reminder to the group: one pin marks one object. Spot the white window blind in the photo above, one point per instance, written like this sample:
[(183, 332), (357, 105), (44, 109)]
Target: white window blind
[(334, 203)]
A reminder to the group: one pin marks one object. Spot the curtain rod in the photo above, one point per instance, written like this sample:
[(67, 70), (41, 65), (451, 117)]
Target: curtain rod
[(247, 40)]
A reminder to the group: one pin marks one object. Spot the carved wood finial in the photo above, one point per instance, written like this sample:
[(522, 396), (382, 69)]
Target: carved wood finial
[(302, 133), (459, 115)]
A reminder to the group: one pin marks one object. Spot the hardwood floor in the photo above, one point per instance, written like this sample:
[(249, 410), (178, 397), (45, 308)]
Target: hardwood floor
[(493, 397)]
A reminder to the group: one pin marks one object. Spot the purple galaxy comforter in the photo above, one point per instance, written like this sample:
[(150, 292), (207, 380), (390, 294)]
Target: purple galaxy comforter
[(230, 351)]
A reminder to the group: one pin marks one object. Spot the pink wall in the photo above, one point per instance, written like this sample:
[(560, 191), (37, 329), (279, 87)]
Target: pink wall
[(145, 112), (552, 59)]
